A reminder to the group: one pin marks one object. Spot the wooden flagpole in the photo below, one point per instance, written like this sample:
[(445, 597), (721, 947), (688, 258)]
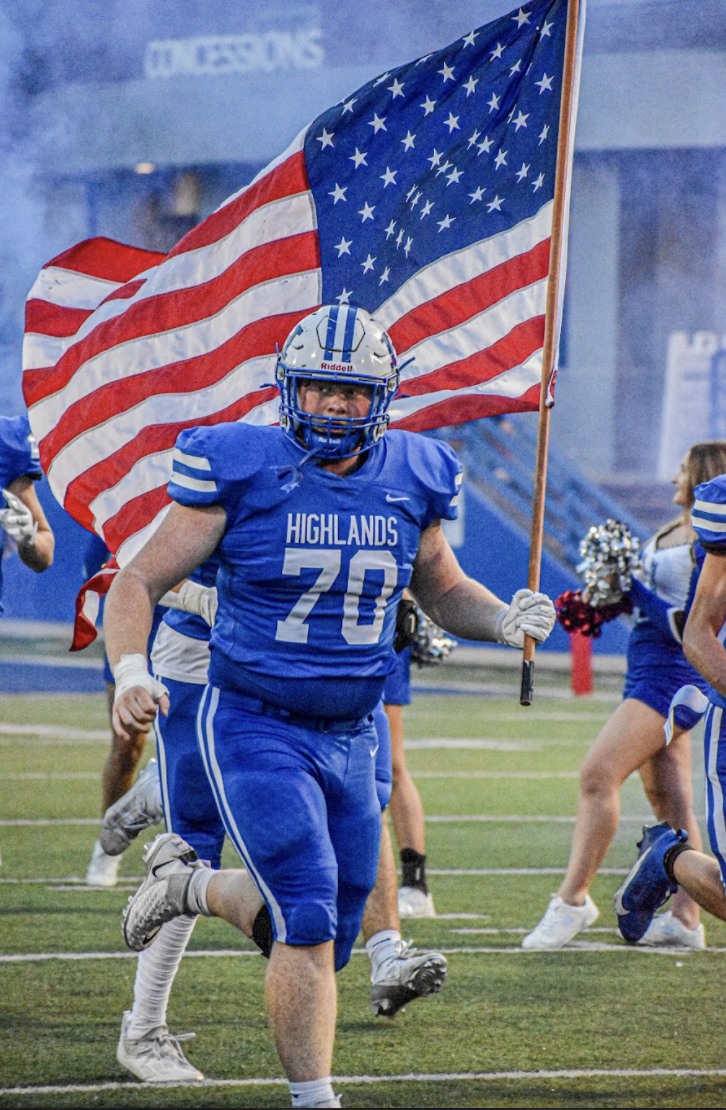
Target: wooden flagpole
[(551, 311)]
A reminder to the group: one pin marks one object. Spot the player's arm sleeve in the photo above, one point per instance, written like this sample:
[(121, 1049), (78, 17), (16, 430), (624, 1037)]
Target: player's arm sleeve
[(195, 480), (441, 471), (708, 515), (21, 447)]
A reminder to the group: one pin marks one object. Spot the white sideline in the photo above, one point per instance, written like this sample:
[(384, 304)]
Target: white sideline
[(55, 732), (45, 776), (575, 946), (71, 882), (419, 1077)]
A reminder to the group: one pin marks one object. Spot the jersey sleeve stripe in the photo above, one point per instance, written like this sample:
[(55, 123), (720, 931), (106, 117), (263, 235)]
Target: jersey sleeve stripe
[(194, 462), (710, 508), (706, 529), (196, 484)]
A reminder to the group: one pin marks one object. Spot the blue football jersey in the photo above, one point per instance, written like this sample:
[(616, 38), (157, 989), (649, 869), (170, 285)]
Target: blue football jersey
[(708, 517), (312, 565), (708, 514), (19, 458)]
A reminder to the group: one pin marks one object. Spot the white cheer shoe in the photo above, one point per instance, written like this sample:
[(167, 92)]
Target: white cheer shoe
[(412, 902), (560, 924), (157, 1056), (667, 930), (102, 868)]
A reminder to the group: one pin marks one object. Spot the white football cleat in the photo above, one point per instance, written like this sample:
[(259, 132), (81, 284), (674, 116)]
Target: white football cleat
[(102, 869), (665, 929), (560, 924), (412, 902), (139, 808), (402, 978), (170, 864), (157, 1056)]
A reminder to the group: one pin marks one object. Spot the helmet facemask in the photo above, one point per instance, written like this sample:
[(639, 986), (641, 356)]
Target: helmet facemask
[(337, 344)]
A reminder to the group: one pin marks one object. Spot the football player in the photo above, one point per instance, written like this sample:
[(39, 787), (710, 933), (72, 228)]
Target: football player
[(177, 791), (22, 520), (319, 524)]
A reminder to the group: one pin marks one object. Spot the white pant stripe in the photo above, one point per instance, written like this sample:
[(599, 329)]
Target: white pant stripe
[(161, 757), (717, 814), (206, 734)]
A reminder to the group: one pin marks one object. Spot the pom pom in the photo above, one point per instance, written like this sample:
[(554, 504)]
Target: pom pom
[(610, 555), (576, 615)]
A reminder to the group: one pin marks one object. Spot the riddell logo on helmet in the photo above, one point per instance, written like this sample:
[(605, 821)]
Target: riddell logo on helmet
[(336, 365)]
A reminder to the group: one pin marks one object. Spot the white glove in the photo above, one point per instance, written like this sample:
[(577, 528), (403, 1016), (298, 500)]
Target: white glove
[(530, 613), (192, 597), (17, 520), (132, 670)]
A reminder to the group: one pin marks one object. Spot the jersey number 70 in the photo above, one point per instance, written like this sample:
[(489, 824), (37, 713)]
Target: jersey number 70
[(294, 630)]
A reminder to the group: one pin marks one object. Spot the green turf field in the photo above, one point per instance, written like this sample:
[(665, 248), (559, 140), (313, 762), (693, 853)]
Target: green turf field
[(599, 1024)]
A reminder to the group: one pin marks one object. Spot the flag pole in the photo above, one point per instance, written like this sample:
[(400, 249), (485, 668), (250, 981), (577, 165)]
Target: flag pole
[(559, 224)]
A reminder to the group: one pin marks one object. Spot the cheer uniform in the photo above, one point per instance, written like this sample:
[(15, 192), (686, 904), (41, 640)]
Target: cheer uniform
[(656, 665), (708, 517), (19, 458), (312, 567)]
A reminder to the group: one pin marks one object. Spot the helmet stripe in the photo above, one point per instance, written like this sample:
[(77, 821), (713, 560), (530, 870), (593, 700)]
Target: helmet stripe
[(330, 336), (349, 333)]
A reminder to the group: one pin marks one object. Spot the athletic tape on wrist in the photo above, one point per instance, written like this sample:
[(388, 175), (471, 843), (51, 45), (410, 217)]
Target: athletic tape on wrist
[(132, 670)]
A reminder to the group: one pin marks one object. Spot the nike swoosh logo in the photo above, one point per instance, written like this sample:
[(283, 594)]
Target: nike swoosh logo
[(374, 750), (389, 498)]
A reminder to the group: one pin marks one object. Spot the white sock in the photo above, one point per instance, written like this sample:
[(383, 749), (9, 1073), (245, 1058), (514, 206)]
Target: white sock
[(155, 971), (197, 891), (314, 1092), (381, 947)]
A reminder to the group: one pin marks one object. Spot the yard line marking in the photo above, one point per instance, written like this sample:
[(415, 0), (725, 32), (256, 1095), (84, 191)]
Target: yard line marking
[(411, 1077), (457, 818), (521, 932), (535, 775), (580, 946), (55, 732), (494, 714), (448, 743), (25, 822), (55, 776), (456, 871), (104, 739), (76, 882), (517, 818)]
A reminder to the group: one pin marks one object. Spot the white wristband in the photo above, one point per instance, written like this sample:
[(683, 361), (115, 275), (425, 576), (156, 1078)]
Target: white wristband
[(132, 670)]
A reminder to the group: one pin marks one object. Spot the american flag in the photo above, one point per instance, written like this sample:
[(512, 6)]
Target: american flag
[(425, 197)]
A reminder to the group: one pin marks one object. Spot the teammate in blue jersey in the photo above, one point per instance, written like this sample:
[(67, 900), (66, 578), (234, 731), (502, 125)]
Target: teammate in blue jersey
[(22, 520), (667, 862), (633, 738), (319, 526), (124, 757)]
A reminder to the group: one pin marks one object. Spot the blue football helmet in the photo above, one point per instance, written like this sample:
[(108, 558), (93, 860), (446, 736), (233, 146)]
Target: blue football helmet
[(345, 344)]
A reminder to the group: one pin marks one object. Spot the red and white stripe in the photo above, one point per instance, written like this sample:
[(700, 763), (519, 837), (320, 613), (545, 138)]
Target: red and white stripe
[(125, 348)]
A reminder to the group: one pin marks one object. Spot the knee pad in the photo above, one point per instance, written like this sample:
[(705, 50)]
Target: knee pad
[(310, 923)]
